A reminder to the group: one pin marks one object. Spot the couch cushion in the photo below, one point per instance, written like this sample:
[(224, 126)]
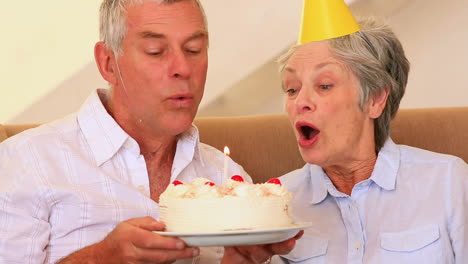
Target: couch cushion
[(443, 130), (3, 134), (264, 145)]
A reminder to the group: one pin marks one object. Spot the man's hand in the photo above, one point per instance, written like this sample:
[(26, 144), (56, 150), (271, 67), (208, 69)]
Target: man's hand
[(133, 241), (258, 253)]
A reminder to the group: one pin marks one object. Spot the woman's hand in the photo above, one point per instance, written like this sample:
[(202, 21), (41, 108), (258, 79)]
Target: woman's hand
[(258, 253)]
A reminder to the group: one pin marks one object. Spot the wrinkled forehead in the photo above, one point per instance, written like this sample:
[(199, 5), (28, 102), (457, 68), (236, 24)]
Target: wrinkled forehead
[(311, 57), (310, 54), (312, 61)]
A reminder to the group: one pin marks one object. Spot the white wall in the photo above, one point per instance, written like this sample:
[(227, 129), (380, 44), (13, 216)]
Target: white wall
[(47, 66), (434, 34), (45, 44)]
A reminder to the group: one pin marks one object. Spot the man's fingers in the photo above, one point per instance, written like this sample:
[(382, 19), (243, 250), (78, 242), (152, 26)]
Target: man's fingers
[(147, 223), (148, 240), (163, 256)]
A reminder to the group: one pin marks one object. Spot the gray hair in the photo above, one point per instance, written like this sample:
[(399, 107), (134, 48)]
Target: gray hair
[(376, 57), (113, 24)]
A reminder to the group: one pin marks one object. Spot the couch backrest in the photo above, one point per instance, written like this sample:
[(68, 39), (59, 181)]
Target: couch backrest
[(265, 145)]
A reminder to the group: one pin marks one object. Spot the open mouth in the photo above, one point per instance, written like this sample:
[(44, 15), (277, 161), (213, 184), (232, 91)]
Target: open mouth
[(308, 134)]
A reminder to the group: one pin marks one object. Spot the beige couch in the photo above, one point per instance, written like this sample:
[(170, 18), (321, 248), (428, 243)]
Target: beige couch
[(265, 145)]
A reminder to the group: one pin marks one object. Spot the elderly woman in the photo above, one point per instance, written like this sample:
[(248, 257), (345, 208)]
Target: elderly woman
[(368, 199)]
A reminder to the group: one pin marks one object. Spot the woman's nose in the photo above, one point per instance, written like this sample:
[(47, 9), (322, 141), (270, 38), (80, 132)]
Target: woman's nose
[(303, 101)]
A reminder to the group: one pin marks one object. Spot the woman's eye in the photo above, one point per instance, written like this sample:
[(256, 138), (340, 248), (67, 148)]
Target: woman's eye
[(325, 86)]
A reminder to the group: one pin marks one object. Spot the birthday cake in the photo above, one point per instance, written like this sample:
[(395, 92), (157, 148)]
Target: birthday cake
[(202, 206)]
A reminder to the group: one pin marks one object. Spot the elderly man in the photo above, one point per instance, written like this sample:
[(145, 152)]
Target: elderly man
[(85, 189)]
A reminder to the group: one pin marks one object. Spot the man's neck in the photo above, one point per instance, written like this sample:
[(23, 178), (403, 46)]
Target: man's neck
[(157, 147), (158, 150)]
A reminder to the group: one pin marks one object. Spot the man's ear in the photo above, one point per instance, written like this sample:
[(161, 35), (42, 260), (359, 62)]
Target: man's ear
[(377, 104), (105, 61)]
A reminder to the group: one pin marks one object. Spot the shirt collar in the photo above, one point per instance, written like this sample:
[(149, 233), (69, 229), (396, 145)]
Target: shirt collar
[(104, 136), (387, 166), (384, 173), (319, 183), (187, 150)]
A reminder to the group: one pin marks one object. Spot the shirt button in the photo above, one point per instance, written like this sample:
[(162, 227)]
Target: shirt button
[(357, 245), (141, 188), (365, 183)]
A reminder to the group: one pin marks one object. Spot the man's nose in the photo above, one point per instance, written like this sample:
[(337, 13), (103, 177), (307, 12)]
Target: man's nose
[(180, 66)]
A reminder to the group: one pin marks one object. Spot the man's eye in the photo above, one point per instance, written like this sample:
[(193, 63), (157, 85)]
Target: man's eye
[(193, 51), (154, 53), (325, 86), (291, 91)]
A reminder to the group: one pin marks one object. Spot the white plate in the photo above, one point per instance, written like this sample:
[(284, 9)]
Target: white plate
[(237, 238)]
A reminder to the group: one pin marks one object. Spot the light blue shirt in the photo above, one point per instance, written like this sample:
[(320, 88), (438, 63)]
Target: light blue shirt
[(413, 209)]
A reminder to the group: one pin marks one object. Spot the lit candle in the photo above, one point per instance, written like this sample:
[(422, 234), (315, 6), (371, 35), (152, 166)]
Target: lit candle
[(226, 157)]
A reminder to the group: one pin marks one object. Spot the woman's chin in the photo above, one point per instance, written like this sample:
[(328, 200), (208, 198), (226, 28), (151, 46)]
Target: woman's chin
[(312, 156)]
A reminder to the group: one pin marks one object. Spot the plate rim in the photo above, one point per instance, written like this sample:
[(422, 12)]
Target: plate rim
[(293, 226)]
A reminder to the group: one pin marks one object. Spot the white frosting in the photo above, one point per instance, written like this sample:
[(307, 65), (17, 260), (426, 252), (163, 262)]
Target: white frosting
[(198, 207)]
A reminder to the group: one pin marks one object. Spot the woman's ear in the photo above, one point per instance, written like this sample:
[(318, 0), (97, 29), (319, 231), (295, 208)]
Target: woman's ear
[(105, 61), (377, 104)]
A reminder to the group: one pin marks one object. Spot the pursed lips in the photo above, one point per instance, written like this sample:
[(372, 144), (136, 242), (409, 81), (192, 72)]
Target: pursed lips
[(308, 134), (182, 99)]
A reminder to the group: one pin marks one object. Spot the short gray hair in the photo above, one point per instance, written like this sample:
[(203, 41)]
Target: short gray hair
[(376, 57), (113, 24)]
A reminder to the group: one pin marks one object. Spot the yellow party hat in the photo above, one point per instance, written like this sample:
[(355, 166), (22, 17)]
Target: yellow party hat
[(325, 19)]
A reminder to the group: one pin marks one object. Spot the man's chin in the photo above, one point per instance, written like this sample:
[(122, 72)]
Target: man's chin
[(178, 125)]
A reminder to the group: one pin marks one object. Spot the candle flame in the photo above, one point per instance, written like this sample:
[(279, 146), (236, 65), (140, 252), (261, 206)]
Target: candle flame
[(226, 151)]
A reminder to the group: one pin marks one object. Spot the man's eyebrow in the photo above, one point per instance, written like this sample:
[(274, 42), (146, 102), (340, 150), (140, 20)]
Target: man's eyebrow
[(198, 35), (151, 34)]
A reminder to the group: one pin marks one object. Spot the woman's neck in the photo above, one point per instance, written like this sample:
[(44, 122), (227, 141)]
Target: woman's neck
[(345, 177)]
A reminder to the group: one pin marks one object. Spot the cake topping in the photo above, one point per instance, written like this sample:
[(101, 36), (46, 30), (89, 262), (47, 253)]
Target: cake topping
[(234, 187), (198, 188), (210, 183), (274, 181), (237, 178), (177, 182)]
